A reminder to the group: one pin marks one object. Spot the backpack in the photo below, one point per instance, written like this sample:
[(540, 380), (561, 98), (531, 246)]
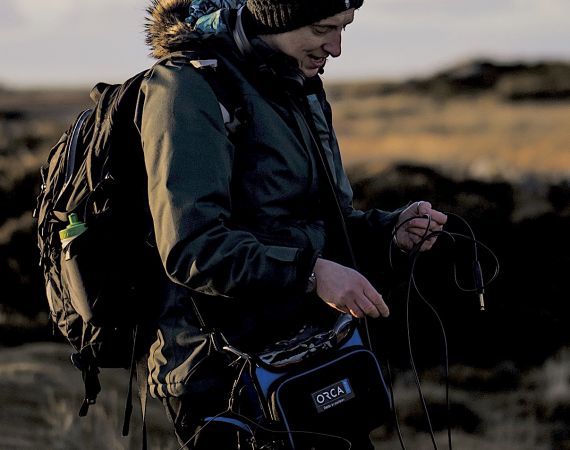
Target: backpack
[(95, 238)]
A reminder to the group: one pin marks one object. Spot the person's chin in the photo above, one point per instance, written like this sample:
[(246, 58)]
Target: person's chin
[(310, 73), (312, 70)]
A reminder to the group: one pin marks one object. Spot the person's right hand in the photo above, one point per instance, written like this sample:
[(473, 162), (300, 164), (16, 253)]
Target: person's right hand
[(347, 290), (415, 223)]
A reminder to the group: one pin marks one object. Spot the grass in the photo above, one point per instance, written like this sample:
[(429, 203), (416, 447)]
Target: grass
[(482, 136), (521, 411), (40, 393), (485, 137)]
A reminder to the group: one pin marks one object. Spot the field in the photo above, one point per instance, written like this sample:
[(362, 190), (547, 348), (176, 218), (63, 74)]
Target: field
[(490, 142), (495, 409), (481, 137)]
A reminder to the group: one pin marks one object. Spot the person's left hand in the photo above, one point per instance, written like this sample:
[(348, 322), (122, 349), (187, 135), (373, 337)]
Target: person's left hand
[(426, 221)]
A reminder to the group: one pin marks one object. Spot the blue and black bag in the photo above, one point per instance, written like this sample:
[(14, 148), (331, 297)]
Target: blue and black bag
[(322, 387)]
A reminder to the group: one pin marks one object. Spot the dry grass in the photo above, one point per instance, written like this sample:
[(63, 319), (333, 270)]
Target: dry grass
[(479, 136), (495, 409), (40, 393)]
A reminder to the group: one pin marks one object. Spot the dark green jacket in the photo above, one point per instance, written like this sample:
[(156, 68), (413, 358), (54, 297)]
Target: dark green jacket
[(240, 209)]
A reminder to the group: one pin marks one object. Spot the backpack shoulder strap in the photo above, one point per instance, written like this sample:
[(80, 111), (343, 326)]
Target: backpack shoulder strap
[(208, 67)]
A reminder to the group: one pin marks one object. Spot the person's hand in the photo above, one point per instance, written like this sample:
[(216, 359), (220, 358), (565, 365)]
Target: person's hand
[(426, 221), (347, 290)]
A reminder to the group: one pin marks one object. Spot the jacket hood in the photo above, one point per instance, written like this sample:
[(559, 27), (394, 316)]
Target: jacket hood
[(172, 23), (165, 26)]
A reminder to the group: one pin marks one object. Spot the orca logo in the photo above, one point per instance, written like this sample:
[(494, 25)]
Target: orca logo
[(332, 395)]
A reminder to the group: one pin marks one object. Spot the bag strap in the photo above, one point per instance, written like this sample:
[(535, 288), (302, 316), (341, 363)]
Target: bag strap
[(92, 388), (330, 190), (139, 369), (310, 136), (83, 360), (142, 378), (129, 399), (201, 61)]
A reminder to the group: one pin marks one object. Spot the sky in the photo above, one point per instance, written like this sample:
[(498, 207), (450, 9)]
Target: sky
[(80, 42)]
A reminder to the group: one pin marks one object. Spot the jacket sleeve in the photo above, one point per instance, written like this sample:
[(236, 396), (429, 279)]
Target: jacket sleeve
[(373, 225), (370, 231), (189, 158)]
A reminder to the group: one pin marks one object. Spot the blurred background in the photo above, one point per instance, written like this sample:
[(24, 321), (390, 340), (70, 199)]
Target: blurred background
[(67, 43), (465, 104)]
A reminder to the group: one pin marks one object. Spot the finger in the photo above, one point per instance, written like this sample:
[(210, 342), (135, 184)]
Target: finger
[(434, 215), (404, 242), (369, 309), (417, 231), (427, 245), (377, 302), (354, 310), (438, 217), (421, 224), (416, 235), (422, 235), (423, 207)]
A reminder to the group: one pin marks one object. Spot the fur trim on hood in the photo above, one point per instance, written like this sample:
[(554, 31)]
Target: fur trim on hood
[(172, 23), (166, 29)]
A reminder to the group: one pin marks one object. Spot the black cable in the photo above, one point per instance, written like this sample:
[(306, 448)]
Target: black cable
[(480, 285), (258, 426), (288, 432), (414, 254), (482, 282), (412, 282), (410, 351), (477, 271), (393, 401), (446, 361)]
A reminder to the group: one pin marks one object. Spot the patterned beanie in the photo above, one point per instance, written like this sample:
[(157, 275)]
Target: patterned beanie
[(279, 16)]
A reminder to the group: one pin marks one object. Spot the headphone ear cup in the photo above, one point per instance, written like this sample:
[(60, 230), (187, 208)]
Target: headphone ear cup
[(291, 80), (294, 78)]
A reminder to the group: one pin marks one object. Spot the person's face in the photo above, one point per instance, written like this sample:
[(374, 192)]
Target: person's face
[(312, 44)]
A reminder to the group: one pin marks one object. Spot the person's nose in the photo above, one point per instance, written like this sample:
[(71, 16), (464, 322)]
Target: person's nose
[(333, 45)]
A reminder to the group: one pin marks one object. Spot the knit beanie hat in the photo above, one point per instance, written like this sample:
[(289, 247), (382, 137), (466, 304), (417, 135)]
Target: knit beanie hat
[(279, 16)]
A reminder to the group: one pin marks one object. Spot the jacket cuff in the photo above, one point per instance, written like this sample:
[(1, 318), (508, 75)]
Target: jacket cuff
[(305, 265)]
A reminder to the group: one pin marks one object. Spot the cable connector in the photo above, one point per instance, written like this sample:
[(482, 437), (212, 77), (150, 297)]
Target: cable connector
[(479, 283)]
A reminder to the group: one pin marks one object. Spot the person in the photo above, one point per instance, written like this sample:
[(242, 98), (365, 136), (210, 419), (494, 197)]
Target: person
[(241, 214)]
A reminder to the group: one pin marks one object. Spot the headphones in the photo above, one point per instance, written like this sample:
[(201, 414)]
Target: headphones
[(294, 78)]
